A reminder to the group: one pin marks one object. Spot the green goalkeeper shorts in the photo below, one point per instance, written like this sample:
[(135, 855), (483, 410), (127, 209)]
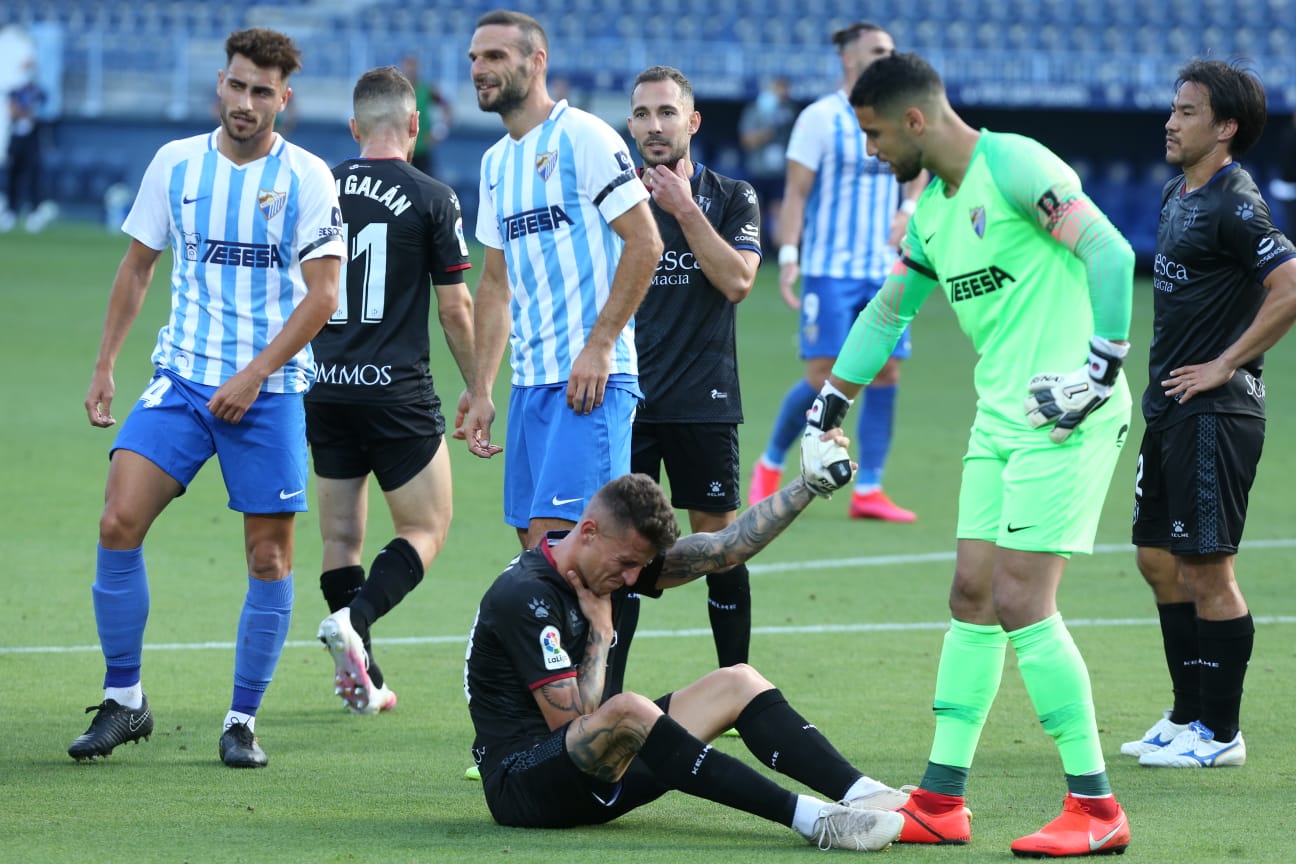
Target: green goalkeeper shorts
[(1022, 491)]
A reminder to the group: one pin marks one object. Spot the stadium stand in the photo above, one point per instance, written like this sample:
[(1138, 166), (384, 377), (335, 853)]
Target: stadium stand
[(155, 59)]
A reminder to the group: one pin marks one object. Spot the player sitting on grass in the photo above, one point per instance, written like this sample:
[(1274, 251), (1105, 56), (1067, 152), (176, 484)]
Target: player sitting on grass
[(559, 743)]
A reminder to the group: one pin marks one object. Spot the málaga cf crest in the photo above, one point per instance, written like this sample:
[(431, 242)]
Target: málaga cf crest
[(978, 217), (546, 163), (270, 202)]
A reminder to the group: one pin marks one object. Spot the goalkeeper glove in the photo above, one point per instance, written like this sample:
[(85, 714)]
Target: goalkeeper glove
[(1067, 399), (825, 465)]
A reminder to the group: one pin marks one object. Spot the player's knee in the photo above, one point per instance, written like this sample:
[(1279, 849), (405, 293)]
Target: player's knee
[(268, 561), (625, 707), (346, 536), (1160, 569), (119, 530), (739, 683), (969, 597), (426, 540)]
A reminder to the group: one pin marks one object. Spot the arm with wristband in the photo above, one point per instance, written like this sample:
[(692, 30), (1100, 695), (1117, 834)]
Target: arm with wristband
[(1051, 195), (825, 464)]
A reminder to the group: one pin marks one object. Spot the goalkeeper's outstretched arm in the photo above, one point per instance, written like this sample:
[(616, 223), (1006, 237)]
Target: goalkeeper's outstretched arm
[(879, 326)]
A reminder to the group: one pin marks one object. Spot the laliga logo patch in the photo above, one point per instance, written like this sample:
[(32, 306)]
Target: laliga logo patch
[(546, 163), (459, 235), (270, 202), (978, 217), (551, 649)]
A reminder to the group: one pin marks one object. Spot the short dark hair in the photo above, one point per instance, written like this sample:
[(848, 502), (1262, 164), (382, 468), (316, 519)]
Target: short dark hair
[(893, 79), (635, 501), (382, 95), (265, 48), (848, 34), (666, 73), (1236, 93), (533, 35)]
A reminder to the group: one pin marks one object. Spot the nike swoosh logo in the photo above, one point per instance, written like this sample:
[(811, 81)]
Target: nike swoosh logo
[(1095, 845), (284, 496), (558, 502), (1013, 529), (929, 237), (137, 721), (187, 200), (491, 188)]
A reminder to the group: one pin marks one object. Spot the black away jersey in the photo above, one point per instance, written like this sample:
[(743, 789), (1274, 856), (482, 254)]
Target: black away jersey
[(684, 329), (529, 631), (404, 233), (1215, 246)]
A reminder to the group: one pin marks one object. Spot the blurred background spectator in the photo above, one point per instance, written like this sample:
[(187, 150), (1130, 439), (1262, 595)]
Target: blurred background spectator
[(1282, 189), (435, 116), (1090, 80), (763, 132), (25, 101)]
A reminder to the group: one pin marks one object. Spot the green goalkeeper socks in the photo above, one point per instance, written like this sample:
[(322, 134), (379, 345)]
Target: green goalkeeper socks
[(1057, 681), (967, 680)]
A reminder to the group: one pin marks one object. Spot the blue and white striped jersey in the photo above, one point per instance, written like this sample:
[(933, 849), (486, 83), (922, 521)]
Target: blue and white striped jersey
[(547, 201), (238, 235), (854, 197)]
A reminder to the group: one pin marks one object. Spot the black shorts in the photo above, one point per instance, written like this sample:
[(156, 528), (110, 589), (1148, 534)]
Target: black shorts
[(701, 462), (395, 442), (1193, 482), (540, 787)]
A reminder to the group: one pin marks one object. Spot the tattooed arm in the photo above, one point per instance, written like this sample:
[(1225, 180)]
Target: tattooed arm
[(566, 699), (699, 554)]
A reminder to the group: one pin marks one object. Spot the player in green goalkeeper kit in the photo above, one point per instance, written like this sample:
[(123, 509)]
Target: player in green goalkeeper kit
[(1041, 282)]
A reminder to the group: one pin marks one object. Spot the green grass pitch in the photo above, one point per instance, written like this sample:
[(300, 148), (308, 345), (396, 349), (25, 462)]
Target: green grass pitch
[(848, 622)]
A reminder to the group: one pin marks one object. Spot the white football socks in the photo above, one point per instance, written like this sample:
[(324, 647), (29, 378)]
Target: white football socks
[(128, 697)]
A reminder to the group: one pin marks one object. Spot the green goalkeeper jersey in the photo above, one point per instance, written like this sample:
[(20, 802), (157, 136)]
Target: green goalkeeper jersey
[(1029, 264)]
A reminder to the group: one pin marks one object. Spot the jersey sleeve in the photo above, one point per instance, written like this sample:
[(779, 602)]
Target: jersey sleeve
[(1042, 187), (149, 219), (880, 324), (605, 171), (534, 641), (806, 143), (488, 230), (1248, 235), (319, 230), (740, 225), (449, 249)]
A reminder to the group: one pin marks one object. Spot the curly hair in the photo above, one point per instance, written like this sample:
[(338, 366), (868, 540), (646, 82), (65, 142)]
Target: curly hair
[(265, 48), (636, 501)]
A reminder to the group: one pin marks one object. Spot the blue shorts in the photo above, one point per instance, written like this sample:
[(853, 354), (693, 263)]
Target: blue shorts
[(555, 459), (829, 306), (262, 457)]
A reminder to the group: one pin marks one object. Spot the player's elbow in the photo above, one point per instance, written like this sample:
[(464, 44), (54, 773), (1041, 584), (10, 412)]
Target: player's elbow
[(740, 286), (653, 246)]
